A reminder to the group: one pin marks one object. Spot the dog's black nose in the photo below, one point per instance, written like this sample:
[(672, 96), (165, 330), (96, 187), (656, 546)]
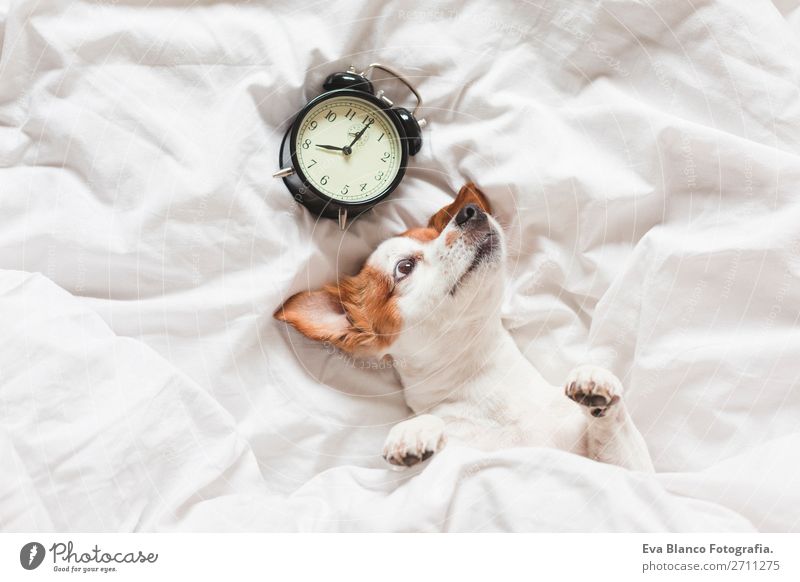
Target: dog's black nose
[(467, 213)]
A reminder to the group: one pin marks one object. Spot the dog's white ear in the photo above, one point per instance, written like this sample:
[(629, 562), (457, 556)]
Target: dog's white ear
[(469, 193), (318, 315)]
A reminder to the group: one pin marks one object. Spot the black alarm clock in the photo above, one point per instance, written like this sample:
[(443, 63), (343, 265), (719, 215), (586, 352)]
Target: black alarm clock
[(348, 148)]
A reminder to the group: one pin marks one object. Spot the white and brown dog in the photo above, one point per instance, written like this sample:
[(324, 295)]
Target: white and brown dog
[(431, 297)]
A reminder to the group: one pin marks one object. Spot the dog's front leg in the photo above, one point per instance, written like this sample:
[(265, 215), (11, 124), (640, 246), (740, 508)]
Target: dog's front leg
[(611, 436), (415, 440)]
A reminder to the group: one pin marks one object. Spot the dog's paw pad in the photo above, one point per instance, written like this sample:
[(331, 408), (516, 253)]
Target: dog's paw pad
[(595, 388), (414, 441), (410, 459)]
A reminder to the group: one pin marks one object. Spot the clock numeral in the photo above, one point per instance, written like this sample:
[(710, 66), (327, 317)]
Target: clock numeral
[(313, 125), (324, 180), (313, 163), (379, 176), (368, 120), (363, 186), (386, 157), (330, 116), (306, 144), (350, 114), (346, 189), (381, 137)]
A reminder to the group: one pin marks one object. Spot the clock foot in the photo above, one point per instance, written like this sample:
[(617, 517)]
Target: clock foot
[(283, 173)]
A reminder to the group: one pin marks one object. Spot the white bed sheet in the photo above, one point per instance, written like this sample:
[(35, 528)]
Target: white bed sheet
[(644, 157)]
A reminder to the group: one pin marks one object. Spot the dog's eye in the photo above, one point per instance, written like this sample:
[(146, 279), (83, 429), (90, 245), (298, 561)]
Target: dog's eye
[(403, 268)]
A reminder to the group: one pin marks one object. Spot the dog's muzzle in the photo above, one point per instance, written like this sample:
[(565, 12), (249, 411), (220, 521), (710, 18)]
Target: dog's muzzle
[(478, 230), (470, 216)]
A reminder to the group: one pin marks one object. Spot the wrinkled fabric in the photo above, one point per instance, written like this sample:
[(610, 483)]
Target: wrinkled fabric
[(643, 157)]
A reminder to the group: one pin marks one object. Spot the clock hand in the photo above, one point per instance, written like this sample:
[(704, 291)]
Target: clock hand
[(329, 147), (359, 134)]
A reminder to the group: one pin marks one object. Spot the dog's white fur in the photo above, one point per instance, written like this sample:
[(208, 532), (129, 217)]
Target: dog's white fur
[(465, 378)]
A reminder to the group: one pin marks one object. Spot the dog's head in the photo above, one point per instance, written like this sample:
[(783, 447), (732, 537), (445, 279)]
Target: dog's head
[(424, 286)]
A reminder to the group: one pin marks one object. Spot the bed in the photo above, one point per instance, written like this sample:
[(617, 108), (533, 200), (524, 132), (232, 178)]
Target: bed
[(643, 157)]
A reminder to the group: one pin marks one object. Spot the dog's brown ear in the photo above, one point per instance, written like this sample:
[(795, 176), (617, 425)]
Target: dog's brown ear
[(468, 193), (357, 315), (318, 315)]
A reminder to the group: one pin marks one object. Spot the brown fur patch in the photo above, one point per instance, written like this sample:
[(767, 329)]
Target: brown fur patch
[(315, 314), (421, 234), (468, 193), (358, 315), (371, 309), (452, 237)]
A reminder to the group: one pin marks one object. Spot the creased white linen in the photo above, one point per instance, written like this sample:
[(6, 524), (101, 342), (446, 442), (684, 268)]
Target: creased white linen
[(643, 157)]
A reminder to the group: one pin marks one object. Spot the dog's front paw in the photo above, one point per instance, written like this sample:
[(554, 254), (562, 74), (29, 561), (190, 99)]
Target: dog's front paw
[(414, 440), (593, 387)]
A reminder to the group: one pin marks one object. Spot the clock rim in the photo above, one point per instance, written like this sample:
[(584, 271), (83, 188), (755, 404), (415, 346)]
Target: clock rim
[(393, 118)]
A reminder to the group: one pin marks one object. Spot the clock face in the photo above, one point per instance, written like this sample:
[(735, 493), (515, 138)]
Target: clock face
[(348, 149)]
